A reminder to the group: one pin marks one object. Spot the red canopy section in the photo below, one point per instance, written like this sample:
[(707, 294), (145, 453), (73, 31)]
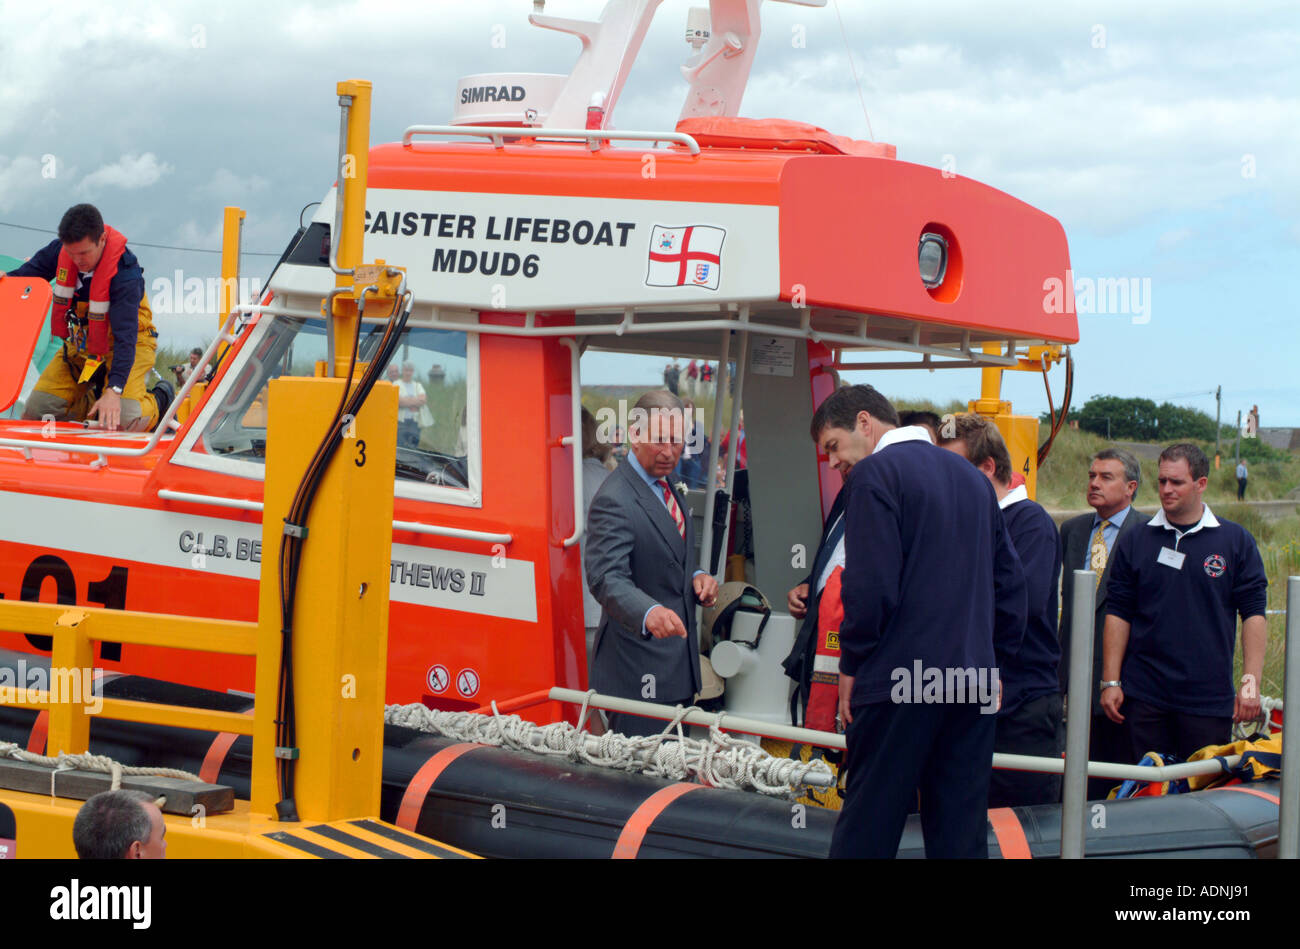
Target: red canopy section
[(850, 229)]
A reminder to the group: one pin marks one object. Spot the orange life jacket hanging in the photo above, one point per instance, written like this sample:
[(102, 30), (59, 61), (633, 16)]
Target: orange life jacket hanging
[(824, 688), (98, 333)]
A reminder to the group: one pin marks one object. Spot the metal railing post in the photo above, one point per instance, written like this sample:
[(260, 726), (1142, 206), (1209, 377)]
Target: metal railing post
[(1078, 714), (1288, 824)]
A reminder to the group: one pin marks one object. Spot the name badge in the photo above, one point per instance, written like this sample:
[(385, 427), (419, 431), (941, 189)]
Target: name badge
[(1171, 558)]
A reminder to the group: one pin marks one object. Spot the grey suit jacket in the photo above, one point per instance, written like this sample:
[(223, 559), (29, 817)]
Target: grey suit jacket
[(1076, 542), (635, 559)]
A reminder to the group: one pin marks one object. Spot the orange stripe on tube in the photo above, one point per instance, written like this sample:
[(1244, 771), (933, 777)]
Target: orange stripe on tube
[(1245, 790), (1011, 836), (216, 756), (634, 831), (40, 731), (408, 815)]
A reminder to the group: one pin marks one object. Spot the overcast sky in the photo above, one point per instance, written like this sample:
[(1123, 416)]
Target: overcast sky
[(1163, 136)]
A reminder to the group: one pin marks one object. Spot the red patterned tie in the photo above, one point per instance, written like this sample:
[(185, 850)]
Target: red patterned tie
[(673, 509)]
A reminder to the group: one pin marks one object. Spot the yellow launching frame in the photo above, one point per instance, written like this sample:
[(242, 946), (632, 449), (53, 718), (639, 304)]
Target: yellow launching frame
[(341, 618)]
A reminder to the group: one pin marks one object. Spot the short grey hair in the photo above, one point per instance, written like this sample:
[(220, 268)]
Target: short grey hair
[(110, 822), (659, 399), (1132, 470)]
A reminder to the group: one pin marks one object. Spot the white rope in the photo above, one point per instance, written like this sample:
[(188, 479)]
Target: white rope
[(1264, 723), (722, 761), (88, 762)]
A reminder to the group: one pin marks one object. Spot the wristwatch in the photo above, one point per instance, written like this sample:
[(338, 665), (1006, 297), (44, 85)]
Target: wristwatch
[(117, 389), (1108, 683)]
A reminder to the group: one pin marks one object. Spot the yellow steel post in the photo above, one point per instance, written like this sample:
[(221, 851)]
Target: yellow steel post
[(341, 618), (232, 231), (351, 190), (70, 670), (1020, 432), (990, 401)]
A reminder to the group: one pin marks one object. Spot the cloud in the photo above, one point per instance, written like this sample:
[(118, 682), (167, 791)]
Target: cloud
[(17, 176), (229, 186), (129, 172)]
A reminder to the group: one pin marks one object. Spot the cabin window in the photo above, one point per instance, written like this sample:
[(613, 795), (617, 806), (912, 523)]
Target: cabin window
[(435, 372)]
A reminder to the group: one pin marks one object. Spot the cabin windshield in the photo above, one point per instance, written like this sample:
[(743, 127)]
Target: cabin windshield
[(429, 370)]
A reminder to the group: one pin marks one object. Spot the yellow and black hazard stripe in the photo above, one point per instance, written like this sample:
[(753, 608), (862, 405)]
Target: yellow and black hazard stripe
[(347, 840)]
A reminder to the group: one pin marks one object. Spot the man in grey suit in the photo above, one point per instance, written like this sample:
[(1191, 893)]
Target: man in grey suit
[(1087, 542), (640, 545)]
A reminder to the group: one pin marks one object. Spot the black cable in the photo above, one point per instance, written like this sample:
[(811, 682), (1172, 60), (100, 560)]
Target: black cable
[(191, 250), (291, 547)]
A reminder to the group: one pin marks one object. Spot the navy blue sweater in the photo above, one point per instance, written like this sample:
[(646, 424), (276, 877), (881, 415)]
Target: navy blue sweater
[(125, 292), (1184, 622), (930, 572), (1032, 672)]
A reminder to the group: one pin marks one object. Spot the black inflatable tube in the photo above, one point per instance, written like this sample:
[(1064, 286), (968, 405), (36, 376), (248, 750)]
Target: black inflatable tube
[(501, 803)]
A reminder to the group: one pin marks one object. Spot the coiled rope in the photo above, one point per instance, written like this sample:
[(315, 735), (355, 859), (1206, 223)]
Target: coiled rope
[(722, 761), (1264, 723), (88, 762)]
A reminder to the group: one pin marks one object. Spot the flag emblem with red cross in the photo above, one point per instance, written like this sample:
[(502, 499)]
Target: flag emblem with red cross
[(685, 256)]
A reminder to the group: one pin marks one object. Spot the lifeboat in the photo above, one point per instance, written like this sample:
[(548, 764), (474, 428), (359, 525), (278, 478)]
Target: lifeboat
[(532, 230)]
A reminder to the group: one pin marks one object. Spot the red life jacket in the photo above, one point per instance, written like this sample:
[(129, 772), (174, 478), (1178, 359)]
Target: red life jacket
[(98, 334), (824, 689)]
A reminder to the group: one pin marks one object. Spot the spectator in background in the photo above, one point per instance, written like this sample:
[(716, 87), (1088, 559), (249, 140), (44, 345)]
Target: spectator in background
[(120, 825), (1242, 475), (1087, 542), (706, 380), (690, 469), (411, 400), (692, 378), (1177, 586), (672, 375), (742, 453), (186, 369), (1029, 720)]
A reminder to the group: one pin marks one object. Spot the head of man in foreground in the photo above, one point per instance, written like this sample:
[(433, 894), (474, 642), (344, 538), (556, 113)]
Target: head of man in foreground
[(847, 426), (1113, 478), (1184, 472), (656, 432), (120, 825)]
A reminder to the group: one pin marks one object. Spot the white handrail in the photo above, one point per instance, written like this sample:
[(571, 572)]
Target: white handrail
[(593, 137), (160, 429), (762, 329), (809, 736), (574, 441), (415, 527)]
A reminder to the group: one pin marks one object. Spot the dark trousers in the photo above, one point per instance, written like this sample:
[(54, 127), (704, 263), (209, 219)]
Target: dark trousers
[(1107, 741), (944, 751), (1241, 489), (1035, 728), (638, 725), (408, 433), (1162, 730)]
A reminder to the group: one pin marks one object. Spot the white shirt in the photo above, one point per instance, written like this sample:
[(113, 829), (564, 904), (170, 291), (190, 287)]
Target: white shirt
[(408, 390), (1016, 494)]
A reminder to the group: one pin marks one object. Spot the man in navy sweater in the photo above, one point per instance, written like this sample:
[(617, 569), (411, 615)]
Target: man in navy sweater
[(1177, 585), (1029, 721), (934, 603)]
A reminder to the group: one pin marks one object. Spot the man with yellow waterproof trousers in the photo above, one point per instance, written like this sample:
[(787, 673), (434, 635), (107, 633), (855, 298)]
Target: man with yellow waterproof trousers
[(102, 315)]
